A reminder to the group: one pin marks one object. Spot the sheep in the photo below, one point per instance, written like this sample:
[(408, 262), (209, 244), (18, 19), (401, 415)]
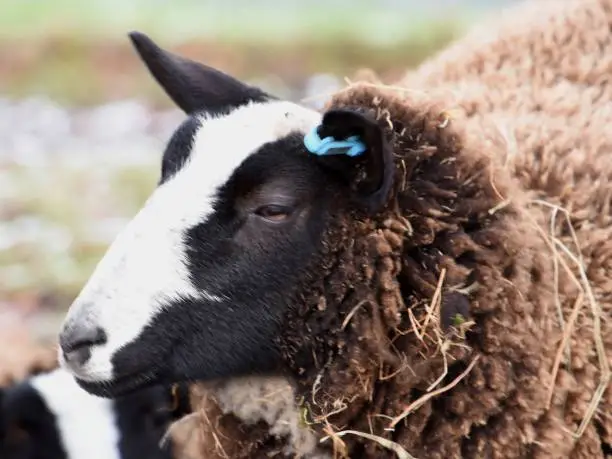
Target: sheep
[(445, 293), (49, 416)]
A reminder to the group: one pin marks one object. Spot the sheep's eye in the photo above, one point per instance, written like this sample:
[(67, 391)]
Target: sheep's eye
[(274, 213)]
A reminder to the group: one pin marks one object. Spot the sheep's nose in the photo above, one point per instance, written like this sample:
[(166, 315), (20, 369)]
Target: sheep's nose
[(76, 343)]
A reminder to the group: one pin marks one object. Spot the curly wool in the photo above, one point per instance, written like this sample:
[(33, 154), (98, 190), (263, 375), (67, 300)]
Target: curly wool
[(252, 417), (488, 136), (552, 103), (445, 217)]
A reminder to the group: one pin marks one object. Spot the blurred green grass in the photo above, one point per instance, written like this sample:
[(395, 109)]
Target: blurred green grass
[(86, 72), (78, 52), (54, 220), (265, 21)]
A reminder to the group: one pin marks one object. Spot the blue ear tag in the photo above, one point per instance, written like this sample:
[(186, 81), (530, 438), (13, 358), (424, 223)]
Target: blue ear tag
[(352, 146)]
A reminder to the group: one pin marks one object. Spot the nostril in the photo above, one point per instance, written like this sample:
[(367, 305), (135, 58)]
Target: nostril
[(76, 343), (76, 338)]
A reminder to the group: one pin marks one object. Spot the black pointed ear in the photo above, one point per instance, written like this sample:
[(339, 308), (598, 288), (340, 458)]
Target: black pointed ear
[(193, 86), (371, 174)]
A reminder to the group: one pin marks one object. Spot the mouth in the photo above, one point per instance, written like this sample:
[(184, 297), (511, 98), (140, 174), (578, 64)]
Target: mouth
[(120, 386)]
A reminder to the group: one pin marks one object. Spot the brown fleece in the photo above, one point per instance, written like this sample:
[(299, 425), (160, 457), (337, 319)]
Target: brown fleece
[(459, 284), (542, 76), (456, 211)]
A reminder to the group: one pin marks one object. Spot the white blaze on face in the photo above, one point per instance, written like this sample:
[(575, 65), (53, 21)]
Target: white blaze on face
[(86, 424), (146, 266)]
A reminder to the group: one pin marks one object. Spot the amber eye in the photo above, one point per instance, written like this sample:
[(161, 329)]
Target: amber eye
[(274, 213)]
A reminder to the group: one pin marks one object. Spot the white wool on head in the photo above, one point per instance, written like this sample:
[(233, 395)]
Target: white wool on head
[(271, 400)]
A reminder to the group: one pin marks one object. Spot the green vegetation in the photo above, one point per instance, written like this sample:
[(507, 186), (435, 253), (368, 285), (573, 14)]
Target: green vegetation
[(234, 21), (78, 52), (56, 221)]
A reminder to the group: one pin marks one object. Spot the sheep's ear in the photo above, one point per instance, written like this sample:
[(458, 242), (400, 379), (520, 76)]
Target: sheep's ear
[(194, 87), (372, 172)]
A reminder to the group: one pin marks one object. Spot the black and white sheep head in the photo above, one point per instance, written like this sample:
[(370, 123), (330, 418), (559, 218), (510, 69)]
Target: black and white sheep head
[(198, 284), (48, 416)]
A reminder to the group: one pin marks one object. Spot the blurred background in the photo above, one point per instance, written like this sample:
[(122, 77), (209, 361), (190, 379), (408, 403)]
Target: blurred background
[(82, 125)]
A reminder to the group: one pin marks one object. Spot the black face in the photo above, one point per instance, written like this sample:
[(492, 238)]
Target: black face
[(28, 430), (267, 225), (252, 251)]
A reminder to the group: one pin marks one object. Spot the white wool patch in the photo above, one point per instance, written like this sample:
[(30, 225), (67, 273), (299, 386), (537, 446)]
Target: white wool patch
[(272, 400), (86, 423), (146, 264)]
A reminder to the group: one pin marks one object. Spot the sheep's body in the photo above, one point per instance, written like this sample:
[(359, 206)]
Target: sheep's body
[(541, 76), (512, 115), (48, 416)]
